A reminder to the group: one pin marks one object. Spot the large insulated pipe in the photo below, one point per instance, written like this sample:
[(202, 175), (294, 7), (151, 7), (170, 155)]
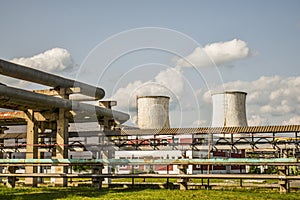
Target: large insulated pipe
[(30, 100), (43, 78)]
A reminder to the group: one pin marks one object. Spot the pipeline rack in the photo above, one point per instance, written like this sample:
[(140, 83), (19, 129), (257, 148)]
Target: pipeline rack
[(52, 109)]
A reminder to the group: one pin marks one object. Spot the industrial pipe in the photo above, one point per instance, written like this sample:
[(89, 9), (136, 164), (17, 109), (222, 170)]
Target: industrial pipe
[(24, 100), (194, 161), (43, 78), (32, 100)]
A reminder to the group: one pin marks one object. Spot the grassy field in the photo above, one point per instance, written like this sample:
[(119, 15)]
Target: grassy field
[(80, 193)]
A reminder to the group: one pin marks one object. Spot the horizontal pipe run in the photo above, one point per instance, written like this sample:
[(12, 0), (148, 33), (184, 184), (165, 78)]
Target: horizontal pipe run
[(177, 176), (43, 78), (214, 176), (213, 161), (100, 111), (31, 100)]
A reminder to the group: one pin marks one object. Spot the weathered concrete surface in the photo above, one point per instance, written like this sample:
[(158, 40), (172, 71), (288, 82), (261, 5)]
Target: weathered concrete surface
[(153, 112)]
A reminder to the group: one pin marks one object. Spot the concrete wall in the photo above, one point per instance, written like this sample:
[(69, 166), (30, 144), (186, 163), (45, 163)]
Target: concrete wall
[(153, 112)]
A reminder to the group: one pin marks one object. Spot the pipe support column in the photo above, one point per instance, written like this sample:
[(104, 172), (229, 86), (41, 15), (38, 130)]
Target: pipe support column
[(31, 146)]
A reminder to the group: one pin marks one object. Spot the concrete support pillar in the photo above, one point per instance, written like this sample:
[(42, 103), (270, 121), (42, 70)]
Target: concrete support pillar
[(11, 181), (109, 151), (40, 153), (108, 154), (183, 181), (97, 182), (62, 140), (2, 129), (283, 182), (31, 147)]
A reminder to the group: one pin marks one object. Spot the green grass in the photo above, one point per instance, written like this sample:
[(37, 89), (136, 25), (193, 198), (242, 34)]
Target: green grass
[(80, 193)]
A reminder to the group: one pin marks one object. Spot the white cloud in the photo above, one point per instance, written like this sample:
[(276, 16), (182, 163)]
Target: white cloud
[(216, 54), (168, 82), (199, 123), (56, 60), (172, 80), (256, 120), (270, 100), (53, 60), (292, 121)]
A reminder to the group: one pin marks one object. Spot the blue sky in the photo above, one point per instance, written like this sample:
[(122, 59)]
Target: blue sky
[(270, 30)]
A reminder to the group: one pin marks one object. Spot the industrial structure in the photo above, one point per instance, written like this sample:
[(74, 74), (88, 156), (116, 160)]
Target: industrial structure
[(48, 142), (153, 112), (229, 109), (49, 112)]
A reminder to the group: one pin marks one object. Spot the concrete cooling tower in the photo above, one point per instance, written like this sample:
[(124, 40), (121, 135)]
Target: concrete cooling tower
[(153, 112), (229, 109)]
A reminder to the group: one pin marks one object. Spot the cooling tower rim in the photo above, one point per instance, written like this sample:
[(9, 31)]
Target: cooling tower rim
[(229, 92), (154, 97)]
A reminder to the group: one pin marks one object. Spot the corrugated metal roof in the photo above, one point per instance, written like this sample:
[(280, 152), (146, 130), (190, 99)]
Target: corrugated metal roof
[(215, 130), (185, 131)]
